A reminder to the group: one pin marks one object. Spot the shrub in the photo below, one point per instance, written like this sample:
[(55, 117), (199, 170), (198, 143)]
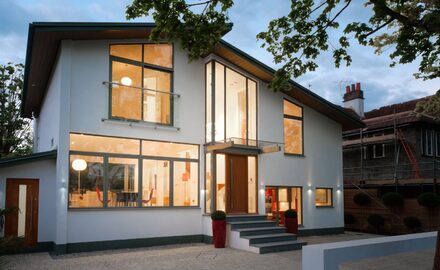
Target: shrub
[(290, 214), (412, 223), (393, 199), (361, 199), (429, 200), (376, 221), (349, 219), (218, 215)]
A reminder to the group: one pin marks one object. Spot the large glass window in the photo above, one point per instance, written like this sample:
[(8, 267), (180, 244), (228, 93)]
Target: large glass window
[(221, 181), (141, 77), (232, 100), (208, 183), (293, 129), (106, 172), (280, 199)]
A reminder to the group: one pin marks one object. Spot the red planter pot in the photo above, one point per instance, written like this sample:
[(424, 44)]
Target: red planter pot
[(219, 233), (291, 225)]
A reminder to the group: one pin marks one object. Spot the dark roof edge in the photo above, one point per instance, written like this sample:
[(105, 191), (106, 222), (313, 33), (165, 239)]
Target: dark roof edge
[(295, 84), (26, 67), (28, 158)]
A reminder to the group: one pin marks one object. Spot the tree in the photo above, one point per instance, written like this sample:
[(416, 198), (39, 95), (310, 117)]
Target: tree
[(411, 28), (15, 134)]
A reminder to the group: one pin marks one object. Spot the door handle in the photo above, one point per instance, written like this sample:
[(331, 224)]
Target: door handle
[(232, 183)]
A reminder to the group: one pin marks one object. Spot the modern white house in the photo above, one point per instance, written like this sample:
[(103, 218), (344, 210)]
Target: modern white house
[(134, 145)]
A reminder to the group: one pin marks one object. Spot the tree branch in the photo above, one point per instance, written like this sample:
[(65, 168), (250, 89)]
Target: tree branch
[(378, 28), (199, 4)]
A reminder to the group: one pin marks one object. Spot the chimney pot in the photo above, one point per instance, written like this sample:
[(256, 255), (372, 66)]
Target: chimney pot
[(347, 89), (352, 88), (358, 87)]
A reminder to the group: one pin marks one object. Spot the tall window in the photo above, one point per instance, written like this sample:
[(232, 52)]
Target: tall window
[(231, 105), (105, 173), (378, 150), (141, 76), (293, 128)]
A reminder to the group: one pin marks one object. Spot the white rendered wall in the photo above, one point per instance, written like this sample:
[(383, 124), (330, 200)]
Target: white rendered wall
[(49, 118), (45, 172), (89, 105), (321, 165)]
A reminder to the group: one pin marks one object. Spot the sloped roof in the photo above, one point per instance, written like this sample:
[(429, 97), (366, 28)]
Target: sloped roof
[(44, 39)]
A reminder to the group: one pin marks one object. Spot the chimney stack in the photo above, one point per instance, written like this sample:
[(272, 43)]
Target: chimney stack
[(354, 99)]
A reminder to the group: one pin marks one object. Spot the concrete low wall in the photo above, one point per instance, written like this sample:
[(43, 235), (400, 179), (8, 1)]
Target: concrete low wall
[(329, 256)]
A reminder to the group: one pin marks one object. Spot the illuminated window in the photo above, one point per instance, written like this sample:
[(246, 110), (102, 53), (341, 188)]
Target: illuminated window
[(280, 199), (141, 77), (105, 173), (293, 129), (324, 197)]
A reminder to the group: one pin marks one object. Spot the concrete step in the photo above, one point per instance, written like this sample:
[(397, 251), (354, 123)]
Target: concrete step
[(260, 230), (270, 238), (234, 218), (251, 224), (279, 246)]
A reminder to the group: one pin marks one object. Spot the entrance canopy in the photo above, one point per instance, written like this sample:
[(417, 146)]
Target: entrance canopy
[(235, 145)]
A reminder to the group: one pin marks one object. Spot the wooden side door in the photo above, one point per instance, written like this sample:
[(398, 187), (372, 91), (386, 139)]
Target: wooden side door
[(236, 184), (22, 194)]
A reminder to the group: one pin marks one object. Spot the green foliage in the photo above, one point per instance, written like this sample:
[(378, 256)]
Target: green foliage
[(409, 28), (218, 215), (429, 108), (412, 223), (361, 199), (393, 199), (376, 221), (429, 200), (15, 135), (290, 214), (349, 219)]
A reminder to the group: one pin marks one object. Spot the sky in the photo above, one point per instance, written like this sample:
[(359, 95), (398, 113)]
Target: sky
[(381, 84)]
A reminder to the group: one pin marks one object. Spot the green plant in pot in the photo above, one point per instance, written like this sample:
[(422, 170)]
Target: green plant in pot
[(431, 201), (219, 228), (291, 221)]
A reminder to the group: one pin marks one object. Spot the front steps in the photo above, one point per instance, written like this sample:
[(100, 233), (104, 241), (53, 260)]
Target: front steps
[(256, 234)]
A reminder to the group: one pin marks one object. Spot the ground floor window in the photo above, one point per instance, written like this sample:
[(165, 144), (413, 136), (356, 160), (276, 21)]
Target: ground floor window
[(282, 198), (324, 197), (109, 172)]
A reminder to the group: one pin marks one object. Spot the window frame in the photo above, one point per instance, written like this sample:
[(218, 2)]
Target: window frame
[(289, 197), (382, 154), (331, 199), (302, 128), (142, 65), (425, 134), (140, 158)]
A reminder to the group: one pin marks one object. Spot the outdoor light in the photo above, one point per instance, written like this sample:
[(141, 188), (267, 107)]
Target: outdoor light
[(79, 165), (126, 81)]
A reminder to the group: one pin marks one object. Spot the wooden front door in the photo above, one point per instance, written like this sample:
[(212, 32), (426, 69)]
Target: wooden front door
[(236, 184), (22, 194)]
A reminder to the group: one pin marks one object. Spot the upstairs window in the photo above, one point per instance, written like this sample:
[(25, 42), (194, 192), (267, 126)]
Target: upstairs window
[(428, 142), (378, 150), (141, 82), (293, 129)]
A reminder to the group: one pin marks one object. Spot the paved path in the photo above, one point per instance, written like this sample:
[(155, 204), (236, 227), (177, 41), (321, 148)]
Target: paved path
[(196, 256)]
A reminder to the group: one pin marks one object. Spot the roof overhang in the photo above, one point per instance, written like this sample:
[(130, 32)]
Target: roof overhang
[(43, 44), (8, 162)]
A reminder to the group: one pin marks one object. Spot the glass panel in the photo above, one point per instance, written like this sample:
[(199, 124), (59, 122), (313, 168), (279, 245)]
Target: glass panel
[(133, 52), (22, 193), (221, 181), (155, 183), (219, 102), (126, 100), (324, 197), (252, 111), (293, 136), (159, 54), (296, 202), (123, 182), (283, 199), (86, 178), (252, 184), (208, 102), (271, 202), (90, 143), (235, 105), (157, 105), (169, 149), (186, 181), (208, 183), (292, 109)]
